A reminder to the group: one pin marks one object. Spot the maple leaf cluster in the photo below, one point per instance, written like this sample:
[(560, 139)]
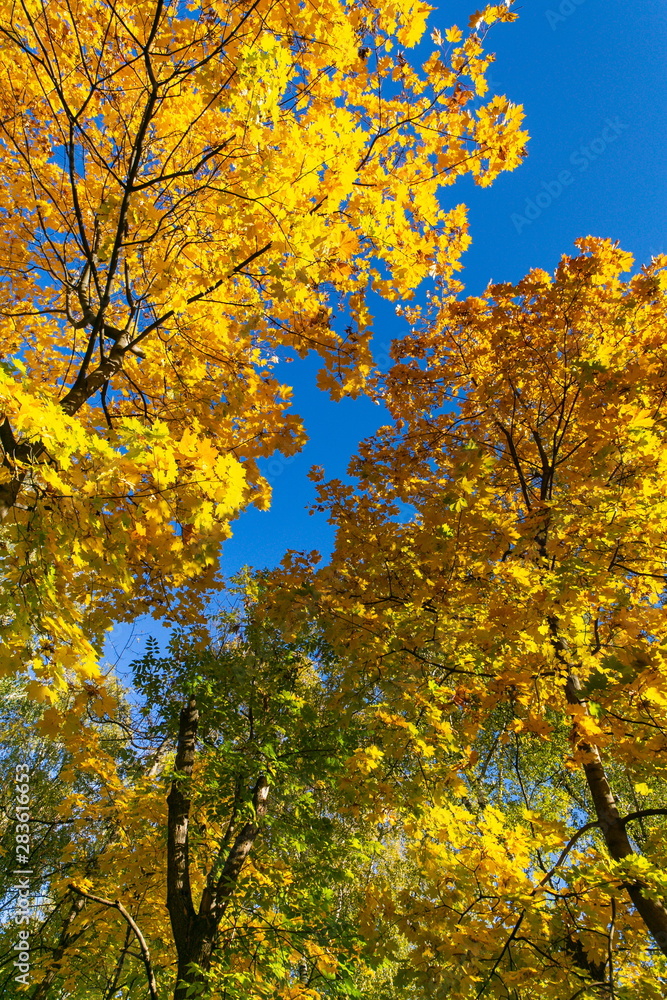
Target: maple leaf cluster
[(187, 196)]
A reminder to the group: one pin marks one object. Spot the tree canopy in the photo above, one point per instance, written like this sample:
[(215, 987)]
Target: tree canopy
[(187, 189), (500, 564), (431, 766)]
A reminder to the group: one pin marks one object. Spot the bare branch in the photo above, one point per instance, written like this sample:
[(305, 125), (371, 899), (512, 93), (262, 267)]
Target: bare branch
[(145, 954)]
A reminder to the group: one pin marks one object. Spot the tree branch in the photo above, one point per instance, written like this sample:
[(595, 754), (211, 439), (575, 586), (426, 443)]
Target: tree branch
[(241, 848), (66, 937), (145, 954), (612, 825)]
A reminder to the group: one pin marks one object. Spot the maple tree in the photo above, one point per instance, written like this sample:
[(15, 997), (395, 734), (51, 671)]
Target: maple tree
[(439, 771), (468, 702), (500, 572), (188, 188)]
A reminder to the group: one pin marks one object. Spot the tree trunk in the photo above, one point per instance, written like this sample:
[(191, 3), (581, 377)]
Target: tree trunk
[(194, 948), (612, 825), (195, 933)]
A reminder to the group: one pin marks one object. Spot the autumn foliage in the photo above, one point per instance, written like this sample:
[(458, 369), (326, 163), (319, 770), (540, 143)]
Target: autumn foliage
[(433, 765), (187, 189), (499, 572)]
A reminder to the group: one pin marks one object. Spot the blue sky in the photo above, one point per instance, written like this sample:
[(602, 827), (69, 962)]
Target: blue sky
[(591, 77)]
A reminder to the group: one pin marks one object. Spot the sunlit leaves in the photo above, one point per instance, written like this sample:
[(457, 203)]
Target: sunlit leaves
[(505, 533), (184, 194)]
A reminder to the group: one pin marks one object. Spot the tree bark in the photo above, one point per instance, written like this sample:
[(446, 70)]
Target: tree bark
[(195, 933), (613, 826), (189, 937)]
